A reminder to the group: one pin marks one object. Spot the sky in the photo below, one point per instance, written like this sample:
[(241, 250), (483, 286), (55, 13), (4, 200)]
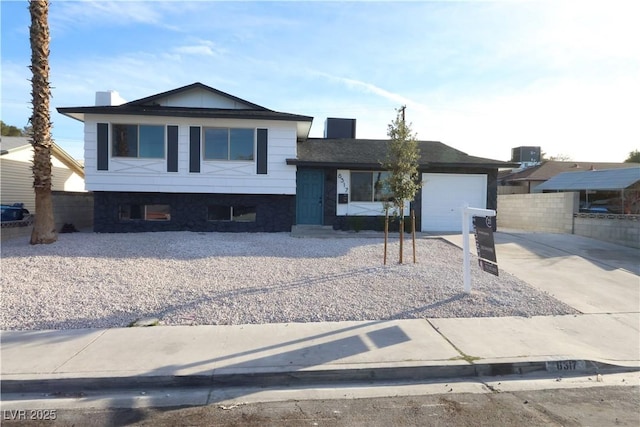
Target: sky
[(482, 77)]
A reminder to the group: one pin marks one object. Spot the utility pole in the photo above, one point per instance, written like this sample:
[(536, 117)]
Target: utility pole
[(403, 108)]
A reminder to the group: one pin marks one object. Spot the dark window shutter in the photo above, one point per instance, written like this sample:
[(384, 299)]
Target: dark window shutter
[(103, 147), (194, 149), (261, 163), (172, 148)]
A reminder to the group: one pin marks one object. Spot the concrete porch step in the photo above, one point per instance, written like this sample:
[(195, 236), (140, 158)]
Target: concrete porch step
[(327, 231)]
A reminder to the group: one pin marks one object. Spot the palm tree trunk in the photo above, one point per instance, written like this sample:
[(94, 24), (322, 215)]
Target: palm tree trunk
[(44, 225)]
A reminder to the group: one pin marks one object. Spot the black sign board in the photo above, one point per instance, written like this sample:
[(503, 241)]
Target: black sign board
[(343, 198), (484, 244), (488, 267)]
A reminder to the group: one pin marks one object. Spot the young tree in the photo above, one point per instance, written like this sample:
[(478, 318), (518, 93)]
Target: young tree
[(402, 158), (43, 226)]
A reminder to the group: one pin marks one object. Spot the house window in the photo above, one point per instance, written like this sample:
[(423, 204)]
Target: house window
[(141, 141), (231, 213), (228, 144), (145, 212), (370, 187)]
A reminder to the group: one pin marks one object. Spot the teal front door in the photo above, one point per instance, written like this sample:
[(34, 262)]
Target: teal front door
[(309, 190)]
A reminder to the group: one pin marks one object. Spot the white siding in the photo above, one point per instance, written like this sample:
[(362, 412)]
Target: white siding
[(200, 99), (17, 179), (63, 178), (234, 177)]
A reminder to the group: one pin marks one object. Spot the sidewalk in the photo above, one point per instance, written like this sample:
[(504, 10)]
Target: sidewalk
[(602, 340)]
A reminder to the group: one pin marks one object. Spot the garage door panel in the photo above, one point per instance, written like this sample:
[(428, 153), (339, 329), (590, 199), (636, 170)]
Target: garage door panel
[(444, 195)]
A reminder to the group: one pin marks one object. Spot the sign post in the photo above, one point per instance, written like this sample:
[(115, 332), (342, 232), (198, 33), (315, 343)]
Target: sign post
[(466, 258)]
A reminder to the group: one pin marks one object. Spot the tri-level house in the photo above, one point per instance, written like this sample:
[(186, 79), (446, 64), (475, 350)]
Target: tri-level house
[(195, 158)]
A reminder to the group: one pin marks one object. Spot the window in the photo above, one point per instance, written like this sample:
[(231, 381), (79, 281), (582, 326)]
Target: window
[(228, 144), (370, 187), (145, 212), (142, 141), (231, 213)]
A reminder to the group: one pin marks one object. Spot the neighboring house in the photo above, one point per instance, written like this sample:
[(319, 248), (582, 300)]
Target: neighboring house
[(523, 181), (196, 158), (16, 177), (601, 191)]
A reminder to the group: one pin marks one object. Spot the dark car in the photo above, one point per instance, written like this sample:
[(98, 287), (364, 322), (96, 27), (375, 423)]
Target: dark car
[(15, 212)]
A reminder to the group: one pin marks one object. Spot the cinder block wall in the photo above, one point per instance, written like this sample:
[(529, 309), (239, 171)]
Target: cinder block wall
[(8, 233), (623, 230), (72, 208), (545, 212), (68, 208)]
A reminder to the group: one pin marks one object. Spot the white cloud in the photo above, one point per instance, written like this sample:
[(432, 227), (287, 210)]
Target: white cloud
[(365, 87), (68, 15), (200, 48)]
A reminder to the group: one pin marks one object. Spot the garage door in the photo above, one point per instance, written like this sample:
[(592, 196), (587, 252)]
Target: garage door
[(444, 195)]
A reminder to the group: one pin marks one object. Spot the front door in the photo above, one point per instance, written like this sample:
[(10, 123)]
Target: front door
[(309, 189)]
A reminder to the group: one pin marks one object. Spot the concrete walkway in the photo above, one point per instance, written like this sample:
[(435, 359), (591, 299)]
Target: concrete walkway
[(599, 279)]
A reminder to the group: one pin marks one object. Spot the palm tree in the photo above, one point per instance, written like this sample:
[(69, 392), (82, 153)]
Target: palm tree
[(44, 225)]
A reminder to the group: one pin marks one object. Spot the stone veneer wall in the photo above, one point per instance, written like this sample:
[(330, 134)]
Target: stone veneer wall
[(274, 213)]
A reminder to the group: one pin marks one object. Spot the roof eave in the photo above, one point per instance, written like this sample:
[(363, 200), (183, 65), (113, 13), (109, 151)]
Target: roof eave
[(584, 189), (369, 165), (71, 114), (79, 112), (474, 165), (337, 165)]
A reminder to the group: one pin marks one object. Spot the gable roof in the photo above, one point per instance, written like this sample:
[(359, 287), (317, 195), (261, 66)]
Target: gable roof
[(151, 100), (550, 168), (10, 144), (608, 179), (369, 153), (149, 106)]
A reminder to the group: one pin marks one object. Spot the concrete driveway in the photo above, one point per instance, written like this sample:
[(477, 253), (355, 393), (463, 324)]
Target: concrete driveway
[(590, 275)]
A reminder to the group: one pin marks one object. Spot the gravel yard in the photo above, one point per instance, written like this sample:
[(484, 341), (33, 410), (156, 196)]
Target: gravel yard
[(88, 280)]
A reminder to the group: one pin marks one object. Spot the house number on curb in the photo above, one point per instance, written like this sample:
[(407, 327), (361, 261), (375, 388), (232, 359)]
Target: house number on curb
[(566, 365)]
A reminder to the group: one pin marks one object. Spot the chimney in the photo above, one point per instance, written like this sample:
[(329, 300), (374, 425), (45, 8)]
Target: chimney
[(108, 98), (339, 128)]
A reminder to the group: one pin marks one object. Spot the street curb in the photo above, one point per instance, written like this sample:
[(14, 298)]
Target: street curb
[(334, 377)]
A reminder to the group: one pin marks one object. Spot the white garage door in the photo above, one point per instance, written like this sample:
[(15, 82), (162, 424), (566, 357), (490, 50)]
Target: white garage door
[(444, 195)]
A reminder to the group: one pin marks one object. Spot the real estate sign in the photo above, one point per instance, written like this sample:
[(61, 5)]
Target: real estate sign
[(485, 244)]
